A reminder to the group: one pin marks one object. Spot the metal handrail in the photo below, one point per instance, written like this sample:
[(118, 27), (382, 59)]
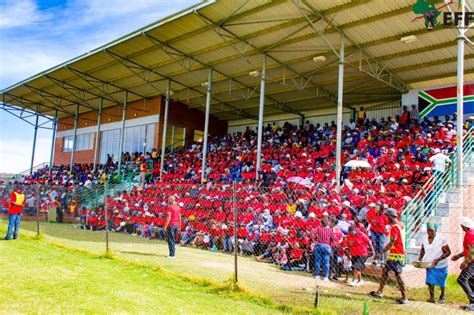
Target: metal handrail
[(427, 199), (27, 172)]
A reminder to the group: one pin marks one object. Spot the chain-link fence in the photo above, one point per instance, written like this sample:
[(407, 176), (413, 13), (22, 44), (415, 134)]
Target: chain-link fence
[(298, 244)]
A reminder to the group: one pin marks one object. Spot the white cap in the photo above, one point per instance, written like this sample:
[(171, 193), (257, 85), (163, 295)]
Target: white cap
[(224, 226), (437, 150), (346, 203), (404, 180), (312, 215), (298, 214), (372, 205), (181, 204), (266, 211), (325, 214), (467, 222), (391, 179)]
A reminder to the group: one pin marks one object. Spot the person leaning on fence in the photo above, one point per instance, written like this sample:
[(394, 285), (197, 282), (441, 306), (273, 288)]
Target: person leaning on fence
[(435, 250), (15, 209), (396, 256), (466, 277), (172, 225)]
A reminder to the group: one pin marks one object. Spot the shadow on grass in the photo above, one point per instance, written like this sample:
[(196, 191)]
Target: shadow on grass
[(139, 253)]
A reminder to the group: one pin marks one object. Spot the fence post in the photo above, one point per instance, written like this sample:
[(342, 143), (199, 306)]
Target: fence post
[(453, 170), (37, 211), (106, 220), (407, 229), (234, 208)]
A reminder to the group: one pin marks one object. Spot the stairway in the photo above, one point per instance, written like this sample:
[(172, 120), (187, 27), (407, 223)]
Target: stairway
[(446, 214)]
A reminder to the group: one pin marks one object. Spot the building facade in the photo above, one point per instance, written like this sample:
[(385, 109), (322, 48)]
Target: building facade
[(143, 130)]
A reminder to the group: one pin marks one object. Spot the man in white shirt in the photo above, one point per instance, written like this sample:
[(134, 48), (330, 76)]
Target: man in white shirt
[(435, 249), (439, 161)]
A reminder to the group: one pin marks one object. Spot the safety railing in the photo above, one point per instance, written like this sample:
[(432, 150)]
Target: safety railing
[(93, 196), (27, 172), (427, 200)]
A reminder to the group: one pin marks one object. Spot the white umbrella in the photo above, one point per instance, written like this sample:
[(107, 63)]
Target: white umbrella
[(358, 163), (301, 181)]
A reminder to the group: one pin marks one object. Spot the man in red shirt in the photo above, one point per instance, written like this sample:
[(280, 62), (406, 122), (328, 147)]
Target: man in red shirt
[(378, 227), (466, 278), (396, 256), (15, 209), (358, 245), (172, 225)]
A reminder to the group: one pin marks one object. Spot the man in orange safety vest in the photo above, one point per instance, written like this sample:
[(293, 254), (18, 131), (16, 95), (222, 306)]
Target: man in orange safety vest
[(15, 209)]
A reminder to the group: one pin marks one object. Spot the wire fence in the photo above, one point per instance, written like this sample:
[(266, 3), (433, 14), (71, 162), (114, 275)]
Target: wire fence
[(300, 246)]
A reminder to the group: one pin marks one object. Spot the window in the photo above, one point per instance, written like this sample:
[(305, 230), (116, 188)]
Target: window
[(67, 144), (136, 139), (83, 142), (198, 135)]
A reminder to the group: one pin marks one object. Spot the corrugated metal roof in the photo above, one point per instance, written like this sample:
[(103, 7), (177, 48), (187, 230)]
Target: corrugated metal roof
[(231, 36)]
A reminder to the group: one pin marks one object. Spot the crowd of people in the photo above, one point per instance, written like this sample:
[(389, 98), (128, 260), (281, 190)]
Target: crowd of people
[(317, 227)]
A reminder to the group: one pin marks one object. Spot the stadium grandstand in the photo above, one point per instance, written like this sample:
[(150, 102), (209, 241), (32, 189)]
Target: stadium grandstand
[(266, 121)]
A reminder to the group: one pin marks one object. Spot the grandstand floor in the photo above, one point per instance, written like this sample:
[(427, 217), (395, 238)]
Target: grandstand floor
[(286, 287)]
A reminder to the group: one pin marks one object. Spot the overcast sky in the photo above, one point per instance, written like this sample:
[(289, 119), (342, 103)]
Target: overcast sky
[(38, 34)]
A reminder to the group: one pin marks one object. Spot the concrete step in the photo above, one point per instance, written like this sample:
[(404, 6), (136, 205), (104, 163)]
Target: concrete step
[(443, 210)]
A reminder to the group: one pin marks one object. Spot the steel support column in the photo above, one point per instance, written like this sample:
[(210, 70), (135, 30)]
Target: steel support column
[(172, 138), (460, 109), (97, 134), (206, 125), (165, 126), (122, 131), (76, 117), (34, 145), (340, 90), (53, 142), (260, 116)]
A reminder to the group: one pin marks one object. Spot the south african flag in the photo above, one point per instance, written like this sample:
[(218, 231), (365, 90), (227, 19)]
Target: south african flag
[(443, 101)]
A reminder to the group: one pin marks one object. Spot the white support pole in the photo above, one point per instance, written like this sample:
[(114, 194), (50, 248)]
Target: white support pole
[(73, 151), (53, 142), (260, 117), (206, 125), (165, 126), (460, 109), (97, 134), (172, 138), (340, 90), (122, 132), (34, 145)]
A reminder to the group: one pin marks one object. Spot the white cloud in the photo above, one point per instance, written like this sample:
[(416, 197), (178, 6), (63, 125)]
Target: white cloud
[(15, 156), (15, 13)]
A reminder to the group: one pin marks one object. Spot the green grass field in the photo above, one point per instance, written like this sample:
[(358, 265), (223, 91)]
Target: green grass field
[(41, 278), (288, 288)]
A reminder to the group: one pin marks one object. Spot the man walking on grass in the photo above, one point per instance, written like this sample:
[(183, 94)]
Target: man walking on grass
[(15, 209), (466, 277), (396, 257), (172, 225)]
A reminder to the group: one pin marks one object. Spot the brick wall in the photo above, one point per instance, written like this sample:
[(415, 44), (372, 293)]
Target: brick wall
[(192, 119), (179, 114), (60, 157)]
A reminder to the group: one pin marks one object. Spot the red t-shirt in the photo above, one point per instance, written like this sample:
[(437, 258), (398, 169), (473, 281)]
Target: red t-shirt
[(377, 222), (175, 212), (358, 244), (296, 253), (397, 252), (17, 200), (468, 242)]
